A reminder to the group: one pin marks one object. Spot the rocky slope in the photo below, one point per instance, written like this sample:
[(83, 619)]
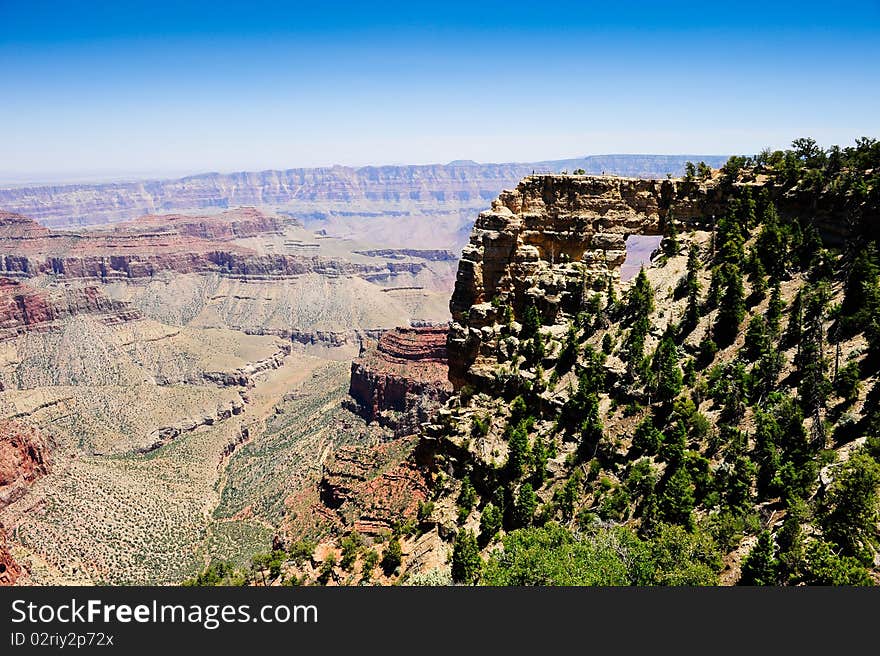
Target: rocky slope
[(712, 421)]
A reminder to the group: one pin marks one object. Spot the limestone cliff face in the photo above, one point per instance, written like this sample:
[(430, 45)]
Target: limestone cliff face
[(548, 242)]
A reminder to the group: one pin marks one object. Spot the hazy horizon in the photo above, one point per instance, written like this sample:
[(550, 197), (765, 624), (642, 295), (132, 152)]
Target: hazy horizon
[(25, 179)]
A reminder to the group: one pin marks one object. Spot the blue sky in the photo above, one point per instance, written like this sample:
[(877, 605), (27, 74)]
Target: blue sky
[(107, 88)]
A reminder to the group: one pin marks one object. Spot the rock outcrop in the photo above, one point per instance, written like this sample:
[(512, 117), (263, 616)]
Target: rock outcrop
[(166, 434), (27, 309), (24, 457), (406, 365), (371, 489), (244, 376), (550, 241)]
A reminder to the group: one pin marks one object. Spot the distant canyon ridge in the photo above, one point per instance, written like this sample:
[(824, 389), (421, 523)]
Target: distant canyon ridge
[(426, 206)]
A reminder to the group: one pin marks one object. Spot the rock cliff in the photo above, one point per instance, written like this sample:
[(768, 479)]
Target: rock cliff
[(24, 457), (550, 241), (405, 364), (24, 308)]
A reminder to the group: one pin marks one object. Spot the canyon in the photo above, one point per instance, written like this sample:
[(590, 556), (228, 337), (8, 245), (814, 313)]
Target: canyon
[(206, 384)]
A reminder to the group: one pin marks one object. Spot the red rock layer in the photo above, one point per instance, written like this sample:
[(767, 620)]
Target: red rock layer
[(153, 244), (24, 457), (24, 308), (406, 361), (9, 569)]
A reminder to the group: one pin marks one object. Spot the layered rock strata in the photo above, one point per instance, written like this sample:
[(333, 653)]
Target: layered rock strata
[(27, 309), (145, 248), (551, 241), (405, 364)]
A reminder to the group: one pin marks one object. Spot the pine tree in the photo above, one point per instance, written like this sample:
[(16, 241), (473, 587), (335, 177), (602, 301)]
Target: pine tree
[(670, 244), (774, 309), (848, 383), (526, 504), (852, 510), (692, 285), (768, 454), (640, 301), (677, 501), (731, 307), (674, 444), (568, 354), (862, 292), (747, 217), (540, 457), (467, 496), (392, 557), (531, 323), (704, 171), (757, 342), (591, 429), (772, 245), (765, 373), (760, 567), (729, 236), (758, 281), (519, 453), (814, 386), (738, 484), (490, 523), (611, 294), (466, 562), (667, 371), (647, 439), (635, 349), (795, 321)]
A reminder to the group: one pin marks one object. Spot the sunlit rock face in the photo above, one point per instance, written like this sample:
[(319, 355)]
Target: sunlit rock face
[(549, 242)]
